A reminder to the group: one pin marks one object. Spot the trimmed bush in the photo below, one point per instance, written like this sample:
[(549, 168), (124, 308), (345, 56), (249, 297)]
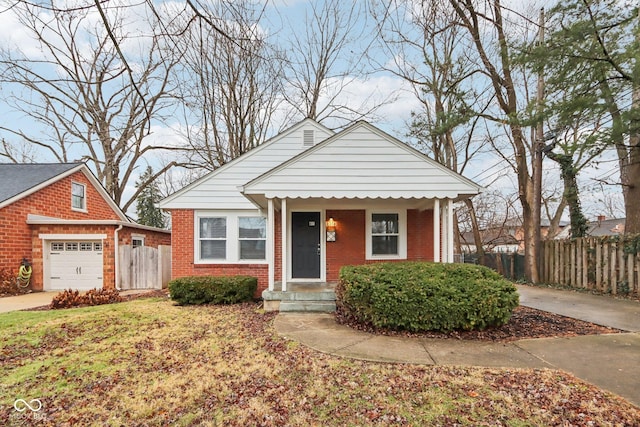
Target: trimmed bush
[(212, 290), (421, 296)]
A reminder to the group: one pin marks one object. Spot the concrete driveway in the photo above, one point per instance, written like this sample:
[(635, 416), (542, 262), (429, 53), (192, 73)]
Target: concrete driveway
[(21, 302)]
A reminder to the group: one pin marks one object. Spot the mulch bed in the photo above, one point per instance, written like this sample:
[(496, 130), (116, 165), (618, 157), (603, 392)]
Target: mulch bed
[(525, 323)]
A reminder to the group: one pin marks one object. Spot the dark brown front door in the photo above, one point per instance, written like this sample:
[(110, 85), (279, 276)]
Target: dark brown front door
[(305, 242)]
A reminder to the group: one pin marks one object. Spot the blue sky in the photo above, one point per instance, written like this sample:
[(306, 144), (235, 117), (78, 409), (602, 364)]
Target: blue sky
[(393, 117)]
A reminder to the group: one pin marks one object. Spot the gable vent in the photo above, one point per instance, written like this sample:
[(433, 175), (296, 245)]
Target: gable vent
[(308, 138)]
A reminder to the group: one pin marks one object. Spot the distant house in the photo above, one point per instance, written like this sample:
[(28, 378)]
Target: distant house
[(504, 239), (601, 227), (308, 201), (494, 240), (62, 221)]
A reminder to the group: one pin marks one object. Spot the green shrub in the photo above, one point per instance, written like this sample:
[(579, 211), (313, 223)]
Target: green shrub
[(421, 296), (212, 290)]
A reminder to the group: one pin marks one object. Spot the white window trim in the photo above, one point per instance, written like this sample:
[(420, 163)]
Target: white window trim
[(84, 198), (232, 239), (402, 234), (138, 237), (240, 239)]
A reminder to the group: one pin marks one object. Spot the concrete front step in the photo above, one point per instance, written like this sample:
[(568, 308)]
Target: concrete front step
[(327, 295), (308, 306)]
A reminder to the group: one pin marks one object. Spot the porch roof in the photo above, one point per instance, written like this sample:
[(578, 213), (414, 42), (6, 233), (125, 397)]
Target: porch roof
[(361, 162)]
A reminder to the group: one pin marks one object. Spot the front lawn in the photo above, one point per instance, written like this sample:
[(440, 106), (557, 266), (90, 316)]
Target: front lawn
[(148, 362)]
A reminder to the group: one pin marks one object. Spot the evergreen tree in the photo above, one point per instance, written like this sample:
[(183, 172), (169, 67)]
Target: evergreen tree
[(148, 213), (591, 62)]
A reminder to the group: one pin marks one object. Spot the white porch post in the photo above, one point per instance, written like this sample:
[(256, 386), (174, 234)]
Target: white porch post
[(284, 243), (271, 256), (436, 230), (449, 230)]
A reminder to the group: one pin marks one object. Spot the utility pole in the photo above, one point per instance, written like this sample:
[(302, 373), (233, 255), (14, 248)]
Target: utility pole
[(537, 154)]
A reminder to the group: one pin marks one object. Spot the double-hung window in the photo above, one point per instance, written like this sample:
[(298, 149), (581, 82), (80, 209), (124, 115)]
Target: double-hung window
[(252, 234), (78, 199), (229, 237), (385, 231), (387, 234), (213, 238)]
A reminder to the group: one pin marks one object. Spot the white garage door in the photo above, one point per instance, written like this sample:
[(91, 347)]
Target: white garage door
[(75, 265)]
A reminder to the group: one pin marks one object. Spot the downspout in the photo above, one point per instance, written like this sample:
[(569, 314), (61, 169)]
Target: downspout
[(116, 256)]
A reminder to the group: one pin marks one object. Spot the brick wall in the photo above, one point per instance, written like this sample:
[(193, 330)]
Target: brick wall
[(350, 245), (54, 201), (182, 254), (152, 239), (348, 249)]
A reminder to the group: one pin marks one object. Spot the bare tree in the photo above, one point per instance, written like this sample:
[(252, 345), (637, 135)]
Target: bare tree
[(231, 83), (428, 52), (79, 91), (325, 56), (485, 24)]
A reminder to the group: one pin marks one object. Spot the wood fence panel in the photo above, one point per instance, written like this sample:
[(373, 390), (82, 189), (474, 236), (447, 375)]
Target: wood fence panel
[(605, 264), (144, 267), (164, 265), (585, 262)]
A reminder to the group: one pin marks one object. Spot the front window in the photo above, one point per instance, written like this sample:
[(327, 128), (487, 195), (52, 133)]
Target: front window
[(385, 232), (213, 238), (252, 234), (78, 200), (137, 242)]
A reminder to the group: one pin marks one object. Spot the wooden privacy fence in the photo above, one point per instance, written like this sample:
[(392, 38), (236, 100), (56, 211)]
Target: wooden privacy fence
[(607, 264), (144, 267)]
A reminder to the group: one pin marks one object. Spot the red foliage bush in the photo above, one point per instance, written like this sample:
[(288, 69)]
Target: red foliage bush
[(70, 298), (8, 284)]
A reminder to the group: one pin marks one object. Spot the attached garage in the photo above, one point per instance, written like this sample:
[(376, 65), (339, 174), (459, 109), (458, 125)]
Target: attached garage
[(74, 264)]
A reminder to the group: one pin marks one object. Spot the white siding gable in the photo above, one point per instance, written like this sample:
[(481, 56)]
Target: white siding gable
[(362, 162), (219, 189)]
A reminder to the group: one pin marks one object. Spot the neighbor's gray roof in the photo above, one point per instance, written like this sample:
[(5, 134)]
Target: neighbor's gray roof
[(16, 178)]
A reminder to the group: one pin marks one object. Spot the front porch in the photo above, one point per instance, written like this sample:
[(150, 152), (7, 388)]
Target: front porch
[(301, 296)]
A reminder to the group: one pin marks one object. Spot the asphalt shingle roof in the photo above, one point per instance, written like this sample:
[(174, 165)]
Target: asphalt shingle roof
[(16, 178)]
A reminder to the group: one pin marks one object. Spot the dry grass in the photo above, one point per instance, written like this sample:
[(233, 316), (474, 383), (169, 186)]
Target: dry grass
[(147, 362)]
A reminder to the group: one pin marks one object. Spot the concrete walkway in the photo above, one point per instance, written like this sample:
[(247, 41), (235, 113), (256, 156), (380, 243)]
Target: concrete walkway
[(611, 362)]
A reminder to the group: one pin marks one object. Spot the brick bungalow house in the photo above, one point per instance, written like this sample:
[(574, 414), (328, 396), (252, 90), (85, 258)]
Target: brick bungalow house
[(308, 201), (62, 220)]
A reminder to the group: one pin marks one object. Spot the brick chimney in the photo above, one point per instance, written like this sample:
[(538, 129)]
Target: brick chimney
[(601, 218)]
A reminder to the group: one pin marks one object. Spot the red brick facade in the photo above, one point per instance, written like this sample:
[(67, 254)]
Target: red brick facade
[(21, 240), (348, 249), (350, 245)]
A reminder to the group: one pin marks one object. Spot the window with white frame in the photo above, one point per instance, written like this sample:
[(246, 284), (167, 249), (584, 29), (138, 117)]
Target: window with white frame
[(252, 236), (78, 199), (213, 238), (137, 241), (387, 234), (230, 237)]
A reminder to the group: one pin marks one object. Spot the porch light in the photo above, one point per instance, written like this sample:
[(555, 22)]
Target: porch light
[(331, 230)]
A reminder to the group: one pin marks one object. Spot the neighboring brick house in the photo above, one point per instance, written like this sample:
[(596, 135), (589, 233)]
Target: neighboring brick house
[(61, 219), (308, 201)]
